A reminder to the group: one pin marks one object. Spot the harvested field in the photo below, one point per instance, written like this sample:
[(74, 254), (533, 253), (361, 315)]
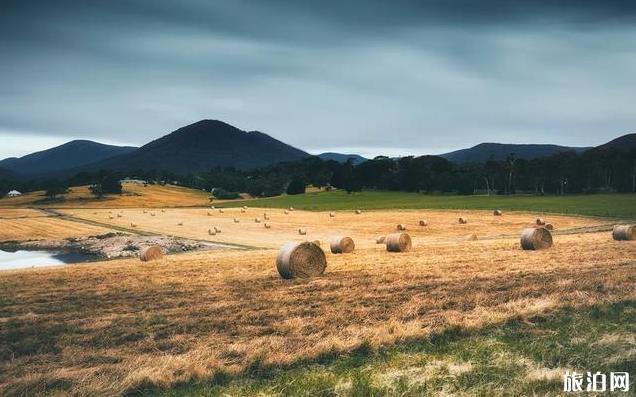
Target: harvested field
[(42, 226), (363, 228), (110, 328), (134, 195)]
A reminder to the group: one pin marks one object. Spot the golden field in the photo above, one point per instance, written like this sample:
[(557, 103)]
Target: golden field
[(27, 224), (134, 195), (106, 328), (363, 228)]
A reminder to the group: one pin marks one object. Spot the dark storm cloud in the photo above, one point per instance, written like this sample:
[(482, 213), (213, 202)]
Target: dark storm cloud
[(371, 76)]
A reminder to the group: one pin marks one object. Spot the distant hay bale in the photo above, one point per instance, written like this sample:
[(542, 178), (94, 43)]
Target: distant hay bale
[(179, 223), (265, 216), (286, 212), (257, 220), (152, 214), (212, 232), (497, 213), (151, 253), (221, 210), (243, 210), (549, 226), (302, 231), (217, 229), (332, 214), (267, 225), (111, 217), (162, 210), (212, 207), (291, 208), (540, 222), (471, 237), (236, 220), (133, 224), (300, 259), (95, 213), (209, 213), (245, 207), (380, 240), (398, 242), (119, 215), (624, 232), (358, 212), (423, 222), (342, 245), (145, 212), (400, 226), (462, 220), (536, 238)]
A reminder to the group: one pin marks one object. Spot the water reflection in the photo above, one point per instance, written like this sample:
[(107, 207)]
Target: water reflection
[(25, 259)]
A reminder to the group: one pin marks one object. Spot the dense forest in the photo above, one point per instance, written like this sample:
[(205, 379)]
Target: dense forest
[(596, 170)]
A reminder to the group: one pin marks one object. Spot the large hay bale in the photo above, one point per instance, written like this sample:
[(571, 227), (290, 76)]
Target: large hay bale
[(624, 232), (497, 213), (398, 242), (400, 226), (462, 220), (540, 222), (423, 222), (302, 231), (380, 240), (300, 259), (536, 238), (342, 245), (151, 253)]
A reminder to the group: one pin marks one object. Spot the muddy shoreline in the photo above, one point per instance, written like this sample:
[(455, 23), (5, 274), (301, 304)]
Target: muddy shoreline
[(112, 245)]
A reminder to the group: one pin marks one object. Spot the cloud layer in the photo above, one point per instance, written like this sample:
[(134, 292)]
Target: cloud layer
[(372, 76)]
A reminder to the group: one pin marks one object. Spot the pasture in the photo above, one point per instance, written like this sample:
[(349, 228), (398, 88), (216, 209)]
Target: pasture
[(454, 316)]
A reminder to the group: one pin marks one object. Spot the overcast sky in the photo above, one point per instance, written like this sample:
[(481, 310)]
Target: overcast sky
[(366, 76)]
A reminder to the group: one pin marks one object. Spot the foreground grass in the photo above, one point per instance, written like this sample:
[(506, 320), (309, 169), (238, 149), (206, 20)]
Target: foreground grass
[(606, 205), (525, 356)]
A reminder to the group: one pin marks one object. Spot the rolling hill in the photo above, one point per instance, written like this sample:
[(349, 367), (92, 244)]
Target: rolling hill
[(499, 151), (623, 143), (204, 145), (342, 158), (69, 155)]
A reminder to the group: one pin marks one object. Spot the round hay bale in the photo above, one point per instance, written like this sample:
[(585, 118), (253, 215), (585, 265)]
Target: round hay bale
[(133, 224), (236, 220), (152, 214), (332, 214), (180, 224), (398, 242), (151, 253), (423, 222), (209, 213), (286, 212), (302, 231), (300, 259), (624, 232), (497, 213), (257, 220), (265, 216), (549, 226), (462, 220), (119, 215), (471, 237), (243, 210), (358, 212), (268, 226), (217, 229), (380, 240), (212, 232), (162, 210), (245, 207), (540, 222), (221, 210), (536, 238), (342, 245), (400, 226), (111, 217), (145, 212), (212, 207), (291, 208)]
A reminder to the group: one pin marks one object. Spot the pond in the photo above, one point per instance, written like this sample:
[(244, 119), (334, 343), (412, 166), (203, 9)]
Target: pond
[(25, 259)]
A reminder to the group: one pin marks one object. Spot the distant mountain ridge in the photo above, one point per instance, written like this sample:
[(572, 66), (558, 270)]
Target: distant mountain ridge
[(342, 158), (622, 143), (499, 151), (69, 155), (202, 146)]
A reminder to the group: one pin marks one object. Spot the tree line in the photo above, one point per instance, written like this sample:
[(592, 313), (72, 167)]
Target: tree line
[(595, 170)]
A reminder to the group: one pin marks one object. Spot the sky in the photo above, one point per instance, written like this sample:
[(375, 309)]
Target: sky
[(359, 76)]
